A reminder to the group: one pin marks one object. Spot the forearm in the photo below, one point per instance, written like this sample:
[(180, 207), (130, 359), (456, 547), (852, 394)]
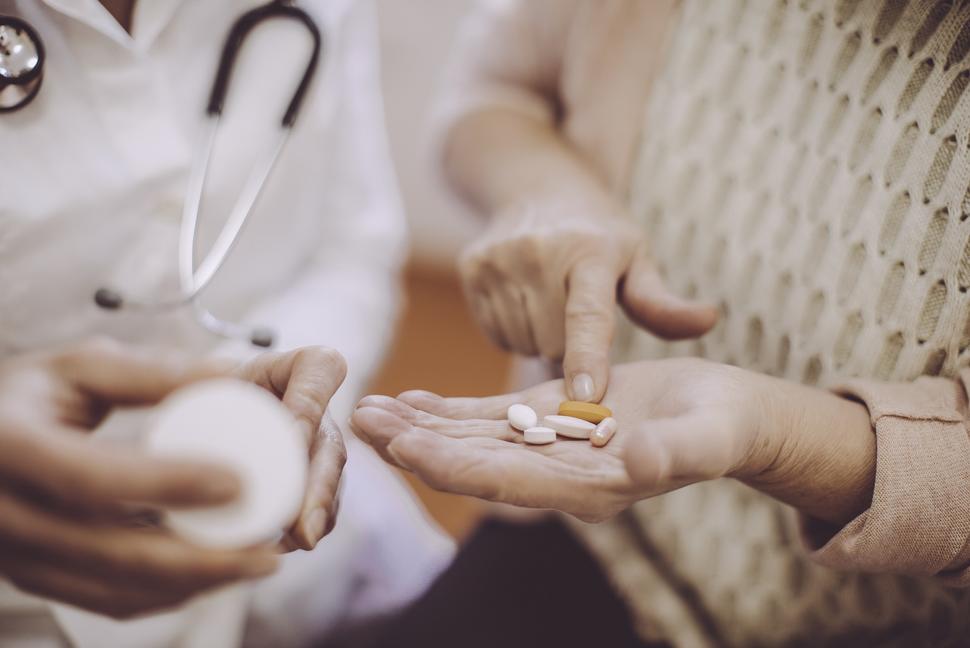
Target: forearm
[(498, 157), (819, 453)]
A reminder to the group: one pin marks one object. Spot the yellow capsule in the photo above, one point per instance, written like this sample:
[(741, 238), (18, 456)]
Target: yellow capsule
[(587, 411)]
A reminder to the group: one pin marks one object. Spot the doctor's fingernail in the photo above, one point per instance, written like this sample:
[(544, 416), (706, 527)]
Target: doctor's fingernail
[(316, 525), (583, 387)]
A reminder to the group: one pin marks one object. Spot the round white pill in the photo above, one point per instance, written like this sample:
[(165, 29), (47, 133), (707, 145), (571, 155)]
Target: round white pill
[(246, 429), (540, 435), (569, 426), (522, 417)]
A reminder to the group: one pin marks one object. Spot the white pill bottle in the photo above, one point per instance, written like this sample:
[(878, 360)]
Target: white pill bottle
[(243, 427)]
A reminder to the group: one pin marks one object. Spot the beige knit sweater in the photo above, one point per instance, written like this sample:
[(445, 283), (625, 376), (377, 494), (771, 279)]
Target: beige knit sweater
[(806, 164)]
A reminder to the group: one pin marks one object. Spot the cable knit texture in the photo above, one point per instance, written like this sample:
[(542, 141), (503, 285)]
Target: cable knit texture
[(806, 164)]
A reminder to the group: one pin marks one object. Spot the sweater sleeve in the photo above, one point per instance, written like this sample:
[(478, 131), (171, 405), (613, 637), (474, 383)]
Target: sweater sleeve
[(918, 522), (508, 54)]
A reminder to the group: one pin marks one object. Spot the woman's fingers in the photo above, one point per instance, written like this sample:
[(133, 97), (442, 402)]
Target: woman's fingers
[(490, 407), (589, 322), (509, 307), (319, 511), (545, 315), (78, 472), (500, 471), (647, 301), (496, 429), (484, 313)]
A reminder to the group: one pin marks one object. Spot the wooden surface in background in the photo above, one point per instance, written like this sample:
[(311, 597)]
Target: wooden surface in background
[(439, 347)]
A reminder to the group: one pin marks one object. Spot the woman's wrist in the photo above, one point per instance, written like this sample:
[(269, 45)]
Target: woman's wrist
[(814, 450)]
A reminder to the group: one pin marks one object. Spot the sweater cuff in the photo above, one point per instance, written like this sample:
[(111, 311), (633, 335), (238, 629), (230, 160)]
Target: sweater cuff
[(919, 520)]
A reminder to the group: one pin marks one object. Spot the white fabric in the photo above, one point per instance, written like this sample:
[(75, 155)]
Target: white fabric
[(92, 183)]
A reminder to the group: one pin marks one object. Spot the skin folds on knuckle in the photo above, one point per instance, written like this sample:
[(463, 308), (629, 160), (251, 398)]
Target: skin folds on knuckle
[(324, 360), (474, 265)]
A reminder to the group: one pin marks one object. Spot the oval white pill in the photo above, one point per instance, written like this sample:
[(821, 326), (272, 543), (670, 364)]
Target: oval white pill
[(569, 426), (540, 435), (522, 417), (246, 429)]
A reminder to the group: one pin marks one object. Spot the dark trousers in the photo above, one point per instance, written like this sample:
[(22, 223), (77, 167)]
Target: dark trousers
[(511, 585)]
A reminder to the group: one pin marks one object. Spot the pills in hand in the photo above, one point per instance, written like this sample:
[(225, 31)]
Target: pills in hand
[(540, 435), (604, 432), (591, 412), (599, 432), (246, 429), (569, 426), (522, 417)]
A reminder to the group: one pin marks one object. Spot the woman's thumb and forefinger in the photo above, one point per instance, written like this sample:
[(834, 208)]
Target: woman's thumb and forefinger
[(648, 302), (590, 318)]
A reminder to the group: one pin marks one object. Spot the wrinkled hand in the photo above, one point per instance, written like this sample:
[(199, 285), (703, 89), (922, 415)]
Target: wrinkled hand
[(680, 421), (546, 276), (305, 380), (69, 504)]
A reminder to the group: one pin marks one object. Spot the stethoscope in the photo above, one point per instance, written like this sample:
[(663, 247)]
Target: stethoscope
[(21, 73)]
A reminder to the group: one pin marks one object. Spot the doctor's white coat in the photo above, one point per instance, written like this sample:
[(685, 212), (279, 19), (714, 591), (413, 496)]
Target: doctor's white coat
[(92, 179)]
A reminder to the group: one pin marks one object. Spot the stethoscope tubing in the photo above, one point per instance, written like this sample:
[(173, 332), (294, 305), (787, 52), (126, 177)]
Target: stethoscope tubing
[(194, 279)]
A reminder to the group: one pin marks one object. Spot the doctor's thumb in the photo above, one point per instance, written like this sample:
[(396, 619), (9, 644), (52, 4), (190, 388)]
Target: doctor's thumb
[(648, 302)]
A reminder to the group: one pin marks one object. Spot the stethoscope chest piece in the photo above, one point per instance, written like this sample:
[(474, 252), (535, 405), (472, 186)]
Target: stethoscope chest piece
[(21, 63)]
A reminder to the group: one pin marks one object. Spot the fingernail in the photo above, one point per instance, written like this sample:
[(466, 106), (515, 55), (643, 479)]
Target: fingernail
[(316, 525), (583, 387)]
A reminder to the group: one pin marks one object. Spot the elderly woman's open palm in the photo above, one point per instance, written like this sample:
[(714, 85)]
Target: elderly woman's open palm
[(680, 421)]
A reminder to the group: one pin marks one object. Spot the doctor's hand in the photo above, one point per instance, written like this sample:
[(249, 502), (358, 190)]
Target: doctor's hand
[(72, 522), (546, 276), (305, 380), (681, 421)]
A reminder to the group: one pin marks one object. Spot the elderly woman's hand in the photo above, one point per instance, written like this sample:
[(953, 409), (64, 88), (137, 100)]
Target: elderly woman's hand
[(546, 276), (680, 421)]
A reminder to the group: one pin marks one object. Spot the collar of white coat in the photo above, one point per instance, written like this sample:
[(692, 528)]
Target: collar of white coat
[(149, 19)]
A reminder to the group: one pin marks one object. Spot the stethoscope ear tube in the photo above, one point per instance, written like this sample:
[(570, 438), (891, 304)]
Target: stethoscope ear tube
[(237, 35)]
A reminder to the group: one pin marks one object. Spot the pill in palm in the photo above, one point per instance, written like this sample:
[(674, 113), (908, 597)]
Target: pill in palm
[(540, 435), (569, 426), (591, 412), (522, 417), (604, 432)]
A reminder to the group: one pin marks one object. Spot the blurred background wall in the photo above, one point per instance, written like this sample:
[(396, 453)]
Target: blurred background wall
[(416, 36), (438, 347)]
